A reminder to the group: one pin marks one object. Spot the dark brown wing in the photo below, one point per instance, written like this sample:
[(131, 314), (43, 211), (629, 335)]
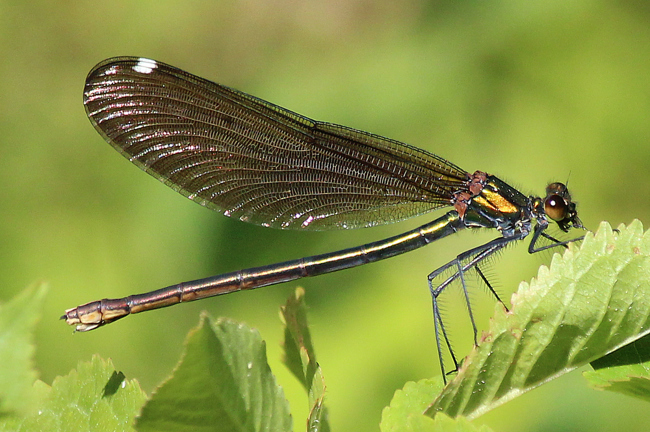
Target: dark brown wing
[(256, 161)]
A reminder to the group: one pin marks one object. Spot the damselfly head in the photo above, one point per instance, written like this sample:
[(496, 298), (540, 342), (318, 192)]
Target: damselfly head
[(559, 207)]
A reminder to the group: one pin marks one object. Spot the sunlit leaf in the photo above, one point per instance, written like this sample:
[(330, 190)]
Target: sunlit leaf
[(222, 383), (79, 401), (406, 411), (592, 301), (626, 370), (300, 358)]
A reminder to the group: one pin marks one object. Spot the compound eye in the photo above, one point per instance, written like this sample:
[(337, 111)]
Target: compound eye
[(556, 207)]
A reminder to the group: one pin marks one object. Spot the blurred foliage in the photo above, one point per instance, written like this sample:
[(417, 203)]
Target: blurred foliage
[(530, 91)]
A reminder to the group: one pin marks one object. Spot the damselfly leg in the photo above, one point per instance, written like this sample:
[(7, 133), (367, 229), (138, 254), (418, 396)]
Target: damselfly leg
[(467, 262)]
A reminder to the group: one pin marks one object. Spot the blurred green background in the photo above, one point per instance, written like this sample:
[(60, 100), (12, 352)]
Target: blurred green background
[(530, 91)]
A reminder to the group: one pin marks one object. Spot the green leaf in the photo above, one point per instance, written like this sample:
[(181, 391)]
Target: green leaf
[(223, 383), (591, 301), (17, 375), (634, 353), (299, 354), (406, 411), (79, 402), (626, 370), (411, 401), (300, 358)]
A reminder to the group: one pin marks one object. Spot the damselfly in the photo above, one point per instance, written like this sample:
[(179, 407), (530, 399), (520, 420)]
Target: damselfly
[(263, 164)]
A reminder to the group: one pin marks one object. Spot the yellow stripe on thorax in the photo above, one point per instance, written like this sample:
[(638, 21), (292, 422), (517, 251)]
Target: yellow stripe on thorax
[(495, 201)]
